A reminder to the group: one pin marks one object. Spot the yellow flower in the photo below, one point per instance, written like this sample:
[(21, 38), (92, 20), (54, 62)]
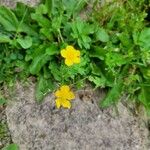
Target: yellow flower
[(64, 95), (71, 55)]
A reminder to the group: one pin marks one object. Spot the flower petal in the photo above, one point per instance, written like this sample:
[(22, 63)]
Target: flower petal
[(58, 103), (68, 62), (64, 88), (63, 53), (70, 48), (77, 53), (70, 95), (77, 60), (66, 104), (58, 93)]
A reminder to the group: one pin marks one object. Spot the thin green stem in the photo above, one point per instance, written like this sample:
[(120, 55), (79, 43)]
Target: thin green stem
[(60, 35), (17, 31), (78, 81)]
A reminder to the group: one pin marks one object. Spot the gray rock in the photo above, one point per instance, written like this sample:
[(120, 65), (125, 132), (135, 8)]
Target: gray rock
[(84, 127), (11, 3)]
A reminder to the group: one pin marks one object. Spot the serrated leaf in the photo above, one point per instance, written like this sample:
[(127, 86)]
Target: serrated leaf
[(25, 42), (144, 39), (81, 32), (98, 81), (125, 39), (41, 9), (114, 59)]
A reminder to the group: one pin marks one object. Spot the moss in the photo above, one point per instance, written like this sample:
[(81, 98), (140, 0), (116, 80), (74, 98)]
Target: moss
[(5, 137), (3, 131)]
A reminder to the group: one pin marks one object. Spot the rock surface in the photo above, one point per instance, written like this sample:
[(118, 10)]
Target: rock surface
[(84, 127), (11, 3)]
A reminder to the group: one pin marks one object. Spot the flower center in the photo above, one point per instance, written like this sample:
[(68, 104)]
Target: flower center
[(70, 56)]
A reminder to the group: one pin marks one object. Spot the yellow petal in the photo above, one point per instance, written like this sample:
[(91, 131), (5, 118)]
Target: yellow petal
[(70, 95), (65, 88), (70, 48), (58, 93), (63, 53), (58, 103), (77, 53), (77, 60), (68, 62), (66, 104)]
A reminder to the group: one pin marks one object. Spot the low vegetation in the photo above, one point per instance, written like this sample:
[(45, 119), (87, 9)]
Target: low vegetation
[(112, 40)]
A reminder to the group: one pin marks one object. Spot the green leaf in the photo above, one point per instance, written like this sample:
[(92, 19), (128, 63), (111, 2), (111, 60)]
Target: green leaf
[(25, 42), (98, 81), (73, 6), (41, 9), (49, 5), (97, 76), (43, 21), (125, 39), (4, 38), (2, 101), (115, 92), (144, 38), (98, 52), (114, 59), (102, 35), (55, 71), (24, 28), (113, 95), (81, 31), (38, 62), (11, 147), (23, 11), (8, 19), (144, 97), (52, 50), (145, 72), (42, 88)]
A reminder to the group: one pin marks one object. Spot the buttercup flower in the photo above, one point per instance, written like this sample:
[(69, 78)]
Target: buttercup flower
[(71, 55), (64, 95)]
